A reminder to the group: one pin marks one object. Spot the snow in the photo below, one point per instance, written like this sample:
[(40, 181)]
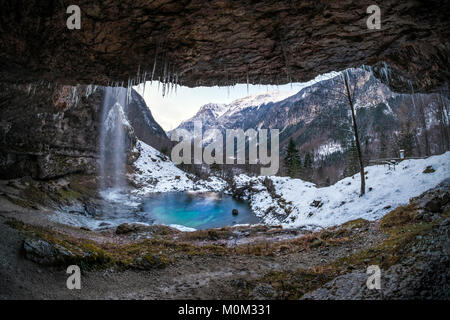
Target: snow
[(329, 148), (156, 173), (341, 202), (182, 228), (216, 109), (291, 204), (257, 100)]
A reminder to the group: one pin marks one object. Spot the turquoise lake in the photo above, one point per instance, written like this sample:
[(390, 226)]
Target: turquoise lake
[(197, 210)]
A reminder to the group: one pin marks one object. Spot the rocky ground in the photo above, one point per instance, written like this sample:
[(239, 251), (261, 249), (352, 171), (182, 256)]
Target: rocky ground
[(410, 244)]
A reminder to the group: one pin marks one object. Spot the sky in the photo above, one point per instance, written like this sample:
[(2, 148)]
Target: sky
[(171, 110)]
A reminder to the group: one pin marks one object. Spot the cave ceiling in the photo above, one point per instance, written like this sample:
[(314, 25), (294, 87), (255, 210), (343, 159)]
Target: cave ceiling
[(218, 42)]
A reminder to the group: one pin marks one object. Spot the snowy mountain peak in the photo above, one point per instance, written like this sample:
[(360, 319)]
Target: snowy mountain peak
[(217, 109), (258, 100)]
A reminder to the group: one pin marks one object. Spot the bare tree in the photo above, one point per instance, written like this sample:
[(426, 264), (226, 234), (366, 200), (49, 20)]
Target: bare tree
[(344, 90), (350, 98)]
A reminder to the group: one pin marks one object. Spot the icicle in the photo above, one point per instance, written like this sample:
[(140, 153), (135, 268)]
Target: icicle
[(247, 82), (385, 71), (143, 83), (176, 82), (154, 67), (88, 91)]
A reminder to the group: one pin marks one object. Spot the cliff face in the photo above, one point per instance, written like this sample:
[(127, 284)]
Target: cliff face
[(223, 42), (48, 131), (144, 125), (51, 131)]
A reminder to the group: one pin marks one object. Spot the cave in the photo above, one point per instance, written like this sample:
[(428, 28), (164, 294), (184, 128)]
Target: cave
[(360, 143), (222, 42)]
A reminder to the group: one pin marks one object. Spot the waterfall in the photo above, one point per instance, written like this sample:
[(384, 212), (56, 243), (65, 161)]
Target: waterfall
[(113, 137)]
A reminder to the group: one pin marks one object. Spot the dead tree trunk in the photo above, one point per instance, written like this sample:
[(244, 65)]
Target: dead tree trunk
[(355, 131)]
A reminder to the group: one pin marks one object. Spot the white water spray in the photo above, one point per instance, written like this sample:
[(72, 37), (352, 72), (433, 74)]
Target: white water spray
[(113, 140)]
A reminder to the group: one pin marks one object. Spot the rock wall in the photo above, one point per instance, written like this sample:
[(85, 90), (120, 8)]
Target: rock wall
[(48, 131)]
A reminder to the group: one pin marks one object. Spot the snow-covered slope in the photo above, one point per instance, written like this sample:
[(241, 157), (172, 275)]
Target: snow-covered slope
[(154, 172), (302, 203)]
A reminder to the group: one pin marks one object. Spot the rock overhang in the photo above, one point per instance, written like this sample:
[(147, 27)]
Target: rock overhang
[(198, 43)]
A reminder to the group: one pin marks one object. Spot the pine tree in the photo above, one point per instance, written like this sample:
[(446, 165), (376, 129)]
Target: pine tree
[(308, 161), (292, 159), (308, 167)]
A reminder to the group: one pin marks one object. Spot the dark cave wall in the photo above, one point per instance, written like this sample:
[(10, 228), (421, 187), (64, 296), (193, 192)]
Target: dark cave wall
[(48, 131), (223, 42)]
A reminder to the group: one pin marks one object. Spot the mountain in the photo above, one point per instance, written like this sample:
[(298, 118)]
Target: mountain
[(219, 116), (317, 118), (208, 115), (144, 125)]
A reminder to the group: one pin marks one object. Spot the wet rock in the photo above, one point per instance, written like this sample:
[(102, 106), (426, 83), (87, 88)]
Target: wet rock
[(235, 212), (43, 252)]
